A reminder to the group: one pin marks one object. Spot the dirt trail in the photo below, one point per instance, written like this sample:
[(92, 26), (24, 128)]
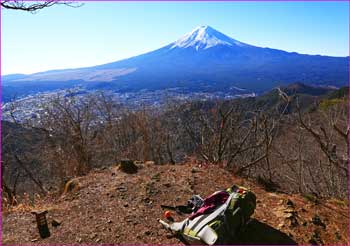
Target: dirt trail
[(114, 207)]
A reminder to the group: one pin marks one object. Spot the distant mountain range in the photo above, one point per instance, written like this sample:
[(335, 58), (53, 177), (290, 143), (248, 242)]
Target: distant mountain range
[(202, 60)]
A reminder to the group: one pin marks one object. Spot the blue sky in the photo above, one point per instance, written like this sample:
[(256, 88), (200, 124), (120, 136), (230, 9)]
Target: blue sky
[(102, 32)]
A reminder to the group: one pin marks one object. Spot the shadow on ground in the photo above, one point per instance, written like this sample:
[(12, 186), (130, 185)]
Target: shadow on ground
[(261, 233)]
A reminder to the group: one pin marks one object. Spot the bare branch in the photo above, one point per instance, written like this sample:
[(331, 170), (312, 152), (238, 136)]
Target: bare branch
[(34, 7)]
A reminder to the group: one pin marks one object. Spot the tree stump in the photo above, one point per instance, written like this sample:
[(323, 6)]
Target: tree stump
[(71, 186), (128, 166)]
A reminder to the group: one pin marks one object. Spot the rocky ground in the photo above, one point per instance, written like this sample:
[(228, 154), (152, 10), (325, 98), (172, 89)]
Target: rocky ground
[(110, 206)]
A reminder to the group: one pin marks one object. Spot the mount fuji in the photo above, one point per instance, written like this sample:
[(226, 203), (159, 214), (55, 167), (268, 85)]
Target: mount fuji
[(202, 60)]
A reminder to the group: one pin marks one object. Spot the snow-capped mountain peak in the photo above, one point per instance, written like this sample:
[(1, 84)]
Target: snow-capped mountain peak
[(204, 37)]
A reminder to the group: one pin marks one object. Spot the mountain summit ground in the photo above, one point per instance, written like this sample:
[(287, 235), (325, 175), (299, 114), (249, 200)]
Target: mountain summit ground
[(109, 206)]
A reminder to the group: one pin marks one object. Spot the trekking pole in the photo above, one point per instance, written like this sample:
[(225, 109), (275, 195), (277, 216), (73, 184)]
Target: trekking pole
[(178, 209)]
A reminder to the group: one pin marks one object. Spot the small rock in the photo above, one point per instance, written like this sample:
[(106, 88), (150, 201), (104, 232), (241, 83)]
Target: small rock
[(122, 189), (79, 240), (289, 210), (156, 177), (293, 222), (290, 203), (126, 205), (147, 233), (92, 236), (128, 166), (316, 220), (34, 240), (316, 238), (109, 221), (167, 185), (281, 225), (55, 222), (97, 240), (338, 236)]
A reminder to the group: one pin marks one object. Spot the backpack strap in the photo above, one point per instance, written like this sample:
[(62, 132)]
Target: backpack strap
[(175, 227), (232, 233), (195, 222)]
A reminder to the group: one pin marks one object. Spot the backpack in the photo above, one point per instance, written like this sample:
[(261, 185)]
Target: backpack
[(222, 225)]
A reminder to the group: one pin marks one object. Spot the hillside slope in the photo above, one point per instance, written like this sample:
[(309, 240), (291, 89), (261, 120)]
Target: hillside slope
[(114, 207)]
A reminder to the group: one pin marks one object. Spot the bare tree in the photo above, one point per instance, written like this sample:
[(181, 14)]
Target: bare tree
[(224, 134), (330, 131), (21, 164), (35, 6), (6, 179), (324, 140), (73, 123), (264, 132), (312, 151)]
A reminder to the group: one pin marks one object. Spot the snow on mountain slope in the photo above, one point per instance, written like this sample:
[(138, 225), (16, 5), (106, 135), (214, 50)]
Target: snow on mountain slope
[(204, 37), (202, 60)]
